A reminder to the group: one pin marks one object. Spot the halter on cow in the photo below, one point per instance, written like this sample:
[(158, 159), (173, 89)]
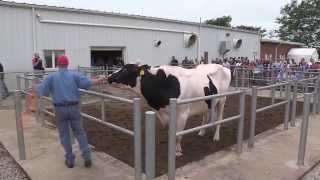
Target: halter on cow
[(157, 85)]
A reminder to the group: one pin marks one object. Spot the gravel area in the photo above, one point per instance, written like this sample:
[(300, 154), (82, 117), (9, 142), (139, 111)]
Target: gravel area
[(313, 174), (9, 168)]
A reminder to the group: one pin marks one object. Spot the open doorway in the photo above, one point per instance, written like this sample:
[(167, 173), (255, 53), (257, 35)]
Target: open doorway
[(106, 57)]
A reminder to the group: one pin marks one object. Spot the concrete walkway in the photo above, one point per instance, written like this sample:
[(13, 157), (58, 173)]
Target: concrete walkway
[(274, 157), (45, 160)]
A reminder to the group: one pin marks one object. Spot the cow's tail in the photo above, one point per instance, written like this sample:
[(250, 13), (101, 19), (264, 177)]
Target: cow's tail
[(217, 133)]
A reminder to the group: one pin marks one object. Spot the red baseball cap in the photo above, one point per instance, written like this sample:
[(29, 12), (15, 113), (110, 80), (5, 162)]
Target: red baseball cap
[(63, 60)]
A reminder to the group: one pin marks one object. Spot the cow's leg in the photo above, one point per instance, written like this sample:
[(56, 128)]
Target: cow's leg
[(182, 117), (205, 117), (220, 109)]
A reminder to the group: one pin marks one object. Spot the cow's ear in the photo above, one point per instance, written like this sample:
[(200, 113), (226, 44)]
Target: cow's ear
[(142, 69), (145, 67)]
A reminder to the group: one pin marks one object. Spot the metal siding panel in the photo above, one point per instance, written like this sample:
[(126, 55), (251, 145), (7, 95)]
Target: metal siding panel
[(15, 38)]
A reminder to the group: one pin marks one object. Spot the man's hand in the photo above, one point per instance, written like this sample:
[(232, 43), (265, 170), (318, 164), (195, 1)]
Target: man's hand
[(98, 79)]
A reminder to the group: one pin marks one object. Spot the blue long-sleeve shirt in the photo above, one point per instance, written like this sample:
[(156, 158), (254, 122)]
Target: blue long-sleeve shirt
[(63, 86)]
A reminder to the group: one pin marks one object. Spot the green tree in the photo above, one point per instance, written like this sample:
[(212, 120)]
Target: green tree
[(220, 21), (301, 22)]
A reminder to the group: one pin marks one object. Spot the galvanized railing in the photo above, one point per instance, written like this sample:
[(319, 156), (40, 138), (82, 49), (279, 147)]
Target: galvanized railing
[(173, 124), (41, 110), (310, 85), (248, 77), (304, 129), (254, 109), (292, 95)]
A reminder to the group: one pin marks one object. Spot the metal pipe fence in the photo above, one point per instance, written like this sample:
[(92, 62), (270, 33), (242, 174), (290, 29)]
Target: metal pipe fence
[(310, 85), (304, 129), (255, 110), (294, 90), (150, 130), (135, 133), (259, 76), (173, 124)]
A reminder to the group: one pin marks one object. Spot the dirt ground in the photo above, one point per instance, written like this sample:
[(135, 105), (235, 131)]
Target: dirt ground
[(194, 147)]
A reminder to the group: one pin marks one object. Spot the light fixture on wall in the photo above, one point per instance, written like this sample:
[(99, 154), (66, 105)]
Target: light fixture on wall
[(157, 43)]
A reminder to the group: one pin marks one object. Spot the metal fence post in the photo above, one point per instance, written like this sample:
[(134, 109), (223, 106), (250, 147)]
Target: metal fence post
[(26, 82), (272, 75), (304, 87), (241, 121), (103, 110), (304, 129), (252, 79), (314, 101), (19, 125), (40, 107), (37, 97), (318, 94), (18, 82), (294, 104), (236, 77), (172, 140), (314, 97), (137, 138), (253, 116), (272, 95), (287, 107), (249, 77), (242, 77), (150, 145)]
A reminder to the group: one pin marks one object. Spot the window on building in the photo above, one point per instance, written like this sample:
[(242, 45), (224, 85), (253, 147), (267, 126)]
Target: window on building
[(51, 56)]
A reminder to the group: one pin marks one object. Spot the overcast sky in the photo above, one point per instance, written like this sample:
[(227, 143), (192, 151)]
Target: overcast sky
[(247, 12)]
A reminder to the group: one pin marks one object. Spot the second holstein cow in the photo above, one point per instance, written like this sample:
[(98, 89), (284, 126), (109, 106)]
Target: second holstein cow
[(157, 85)]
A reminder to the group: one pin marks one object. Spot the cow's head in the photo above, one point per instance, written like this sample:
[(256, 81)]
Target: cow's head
[(128, 75)]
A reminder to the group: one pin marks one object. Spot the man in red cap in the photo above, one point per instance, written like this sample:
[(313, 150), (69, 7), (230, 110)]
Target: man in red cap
[(63, 86)]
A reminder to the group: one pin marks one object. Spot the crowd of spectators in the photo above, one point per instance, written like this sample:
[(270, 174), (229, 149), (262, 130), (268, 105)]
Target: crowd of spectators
[(280, 67), (244, 62)]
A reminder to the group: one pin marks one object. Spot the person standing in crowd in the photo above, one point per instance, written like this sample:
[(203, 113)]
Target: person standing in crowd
[(174, 61), (185, 61), (63, 86), (37, 62), (4, 93), (226, 63)]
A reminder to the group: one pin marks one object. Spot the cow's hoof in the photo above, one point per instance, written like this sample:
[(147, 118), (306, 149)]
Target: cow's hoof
[(201, 133), (215, 139), (179, 154)]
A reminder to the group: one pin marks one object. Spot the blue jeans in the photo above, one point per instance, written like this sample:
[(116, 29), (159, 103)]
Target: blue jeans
[(69, 117)]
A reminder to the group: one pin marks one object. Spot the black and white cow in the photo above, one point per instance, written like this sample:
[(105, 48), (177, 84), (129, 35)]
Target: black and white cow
[(157, 85)]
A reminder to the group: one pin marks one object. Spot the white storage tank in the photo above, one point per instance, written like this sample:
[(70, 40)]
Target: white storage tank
[(307, 53)]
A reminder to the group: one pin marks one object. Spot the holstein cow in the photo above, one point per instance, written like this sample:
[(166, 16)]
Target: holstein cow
[(157, 85)]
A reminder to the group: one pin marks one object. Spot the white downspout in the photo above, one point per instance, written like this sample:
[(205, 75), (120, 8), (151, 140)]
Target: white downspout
[(34, 39), (199, 48)]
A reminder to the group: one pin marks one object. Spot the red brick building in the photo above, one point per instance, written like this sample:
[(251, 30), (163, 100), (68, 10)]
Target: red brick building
[(270, 49)]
